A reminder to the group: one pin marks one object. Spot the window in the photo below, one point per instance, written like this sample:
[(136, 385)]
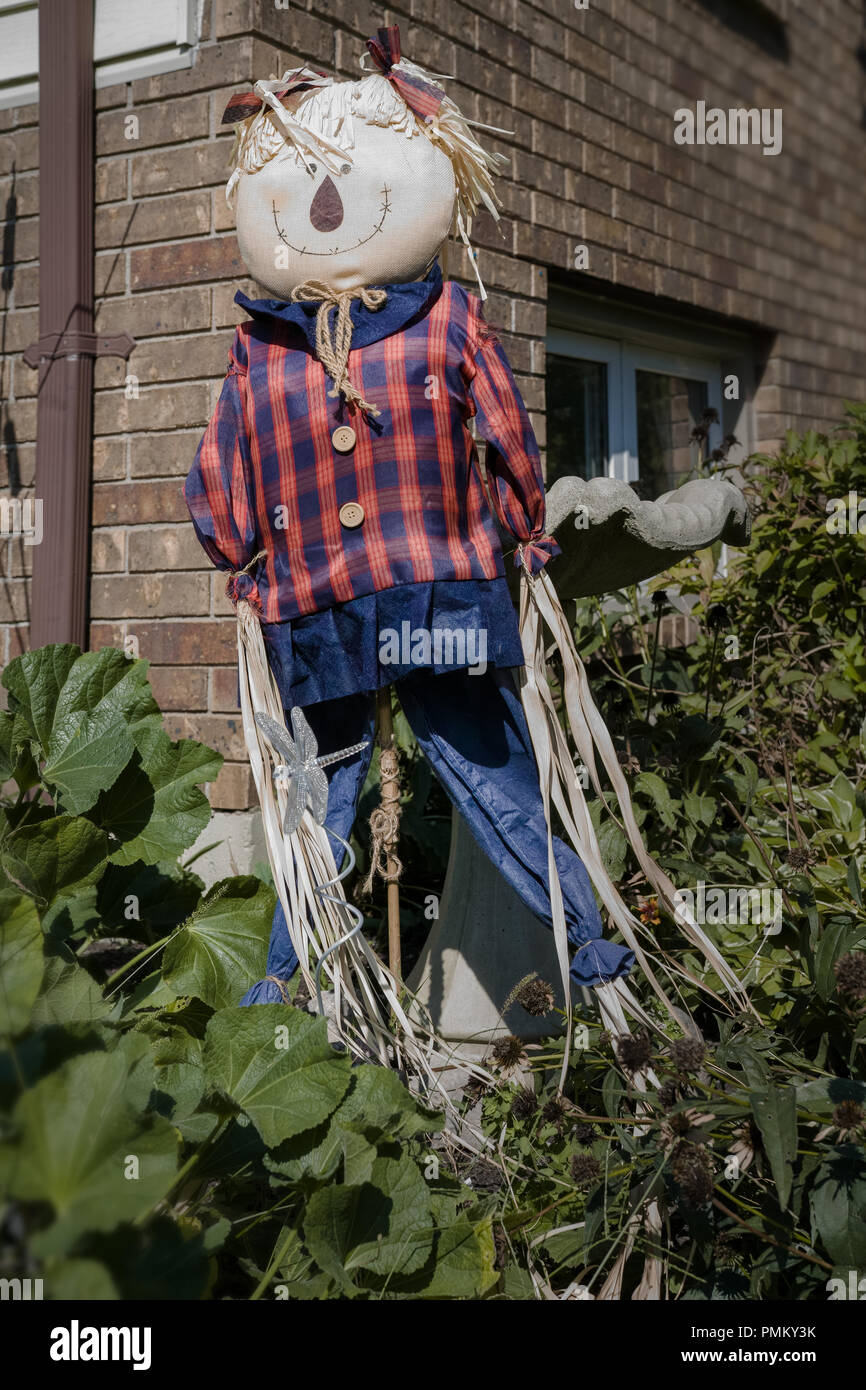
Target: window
[(130, 39), (624, 403)]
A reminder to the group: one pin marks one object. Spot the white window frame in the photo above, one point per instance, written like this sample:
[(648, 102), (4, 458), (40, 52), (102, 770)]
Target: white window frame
[(122, 51), (623, 360)]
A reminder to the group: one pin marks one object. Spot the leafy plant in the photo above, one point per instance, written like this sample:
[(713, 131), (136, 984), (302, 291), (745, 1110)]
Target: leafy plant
[(158, 1141)]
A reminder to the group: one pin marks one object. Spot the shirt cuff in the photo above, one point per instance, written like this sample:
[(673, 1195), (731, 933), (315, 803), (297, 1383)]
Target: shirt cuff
[(535, 553)]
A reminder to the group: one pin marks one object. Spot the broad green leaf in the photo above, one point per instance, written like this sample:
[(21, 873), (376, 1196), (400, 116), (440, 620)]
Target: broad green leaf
[(156, 809), (77, 1280), (775, 1114), (146, 900), (379, 1104), (465, 1261), (821, 1097), (35, 680), (178, 1079), (314, 1153), (84, 714), (16, 759), (383, 1225), (86, 754), (222, 950), (86, 1152), (838, 1201), (69, 997), (65, 917), (656, 789), (55, 856), (21, 962), (278, 1066), (166, 1260)]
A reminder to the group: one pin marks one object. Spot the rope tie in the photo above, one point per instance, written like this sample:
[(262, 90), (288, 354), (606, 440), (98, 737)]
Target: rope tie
[(281, 986), (385, 824), (235, 575), (332, 349)]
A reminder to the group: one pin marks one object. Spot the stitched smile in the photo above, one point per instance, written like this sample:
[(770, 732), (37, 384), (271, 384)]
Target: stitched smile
[(336, 250)]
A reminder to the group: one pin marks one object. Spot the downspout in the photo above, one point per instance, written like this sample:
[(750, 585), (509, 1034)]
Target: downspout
[(67, 345)]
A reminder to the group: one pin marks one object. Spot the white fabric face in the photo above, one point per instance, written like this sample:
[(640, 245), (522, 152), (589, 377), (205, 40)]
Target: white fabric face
[(381, 221)]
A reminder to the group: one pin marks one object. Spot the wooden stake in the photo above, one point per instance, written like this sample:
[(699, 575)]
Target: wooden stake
[(390, 788)]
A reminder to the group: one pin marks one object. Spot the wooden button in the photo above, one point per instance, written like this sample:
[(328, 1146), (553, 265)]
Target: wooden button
[(344, 439), (351, 515)]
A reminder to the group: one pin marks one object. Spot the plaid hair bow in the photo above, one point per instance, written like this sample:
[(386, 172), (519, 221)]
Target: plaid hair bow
[(245, 104), (420, 96)]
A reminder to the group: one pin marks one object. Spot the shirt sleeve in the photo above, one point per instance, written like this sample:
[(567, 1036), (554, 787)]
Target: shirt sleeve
[(218, 491), (514, 473)]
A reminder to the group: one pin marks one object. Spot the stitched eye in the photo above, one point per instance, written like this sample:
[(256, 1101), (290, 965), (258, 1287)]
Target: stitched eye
[(314, 168), (345, 168)]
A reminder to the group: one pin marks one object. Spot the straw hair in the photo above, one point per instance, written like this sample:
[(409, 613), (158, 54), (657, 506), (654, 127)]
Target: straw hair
[(320, 124)]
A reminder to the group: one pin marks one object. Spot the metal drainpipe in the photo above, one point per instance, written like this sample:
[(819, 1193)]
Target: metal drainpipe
[(64, 414)]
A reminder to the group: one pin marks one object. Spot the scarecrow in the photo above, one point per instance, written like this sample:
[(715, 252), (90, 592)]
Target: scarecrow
[(339, 485)]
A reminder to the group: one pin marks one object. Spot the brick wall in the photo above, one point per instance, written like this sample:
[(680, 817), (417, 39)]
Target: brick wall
[(727, 233)]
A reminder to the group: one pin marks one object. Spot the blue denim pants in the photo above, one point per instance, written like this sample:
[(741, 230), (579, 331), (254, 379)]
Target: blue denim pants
[(473, 731)]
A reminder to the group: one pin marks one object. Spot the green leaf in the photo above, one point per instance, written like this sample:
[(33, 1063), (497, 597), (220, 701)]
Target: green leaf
[(775, 1114), (85, 722), (656, 789), (379, 1104), (16, 759), (277, 1065), (86, 1152), (56, 856), (223, 949), (35, 680), (853, 880), (314, 1153), (838, 1201), (821, 1097), (465, 1261), (21, 962), (69, 997), (156, 809), (383, 1225), (79, 1280), (178, 1078)]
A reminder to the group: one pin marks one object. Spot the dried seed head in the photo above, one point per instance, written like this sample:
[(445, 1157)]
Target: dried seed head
[(799, 857), (555, 1111), (687, 1054), (508, 1052), (851, 974), (718, 617), (680, 1124), (848, 1115), (634, 1051), (584, 1169), (693, 1173), (536, 997), (668, 1095), (584, 1133), (524, 1105)]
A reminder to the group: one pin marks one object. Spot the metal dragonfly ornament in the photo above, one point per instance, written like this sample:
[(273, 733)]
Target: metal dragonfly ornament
[(301, 769)]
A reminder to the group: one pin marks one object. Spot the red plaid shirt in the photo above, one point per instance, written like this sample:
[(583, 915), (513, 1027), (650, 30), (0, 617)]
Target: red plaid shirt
[(267, 475)]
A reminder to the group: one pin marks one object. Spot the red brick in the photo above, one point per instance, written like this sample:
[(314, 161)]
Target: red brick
[(130, 504), (186, 262)]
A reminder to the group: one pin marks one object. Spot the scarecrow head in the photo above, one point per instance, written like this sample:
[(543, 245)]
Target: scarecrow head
[(352, 184)]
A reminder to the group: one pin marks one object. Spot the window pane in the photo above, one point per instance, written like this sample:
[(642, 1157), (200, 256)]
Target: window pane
[(576, 417), (668, 409)]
